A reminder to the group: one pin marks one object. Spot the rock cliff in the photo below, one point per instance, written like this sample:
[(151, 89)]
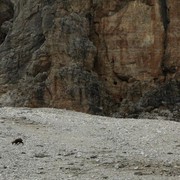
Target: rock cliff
[(111, 57)]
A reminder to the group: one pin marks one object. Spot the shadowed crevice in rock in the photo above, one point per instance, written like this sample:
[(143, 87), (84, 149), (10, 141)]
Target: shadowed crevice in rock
[(6, 15), (165, 20), (164, 13)]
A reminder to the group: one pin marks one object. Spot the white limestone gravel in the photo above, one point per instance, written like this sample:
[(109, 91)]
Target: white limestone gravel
[(61, 144)]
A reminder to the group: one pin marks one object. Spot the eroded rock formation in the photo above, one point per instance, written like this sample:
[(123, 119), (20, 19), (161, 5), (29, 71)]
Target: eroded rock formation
[(97, 56)]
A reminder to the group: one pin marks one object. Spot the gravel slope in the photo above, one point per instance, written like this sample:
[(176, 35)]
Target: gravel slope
[(61, 144)]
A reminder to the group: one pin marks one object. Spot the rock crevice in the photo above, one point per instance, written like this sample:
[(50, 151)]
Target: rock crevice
[(6, 18), (166, 21)]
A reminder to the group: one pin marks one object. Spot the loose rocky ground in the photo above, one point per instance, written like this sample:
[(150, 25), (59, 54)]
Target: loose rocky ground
[(61, 144)]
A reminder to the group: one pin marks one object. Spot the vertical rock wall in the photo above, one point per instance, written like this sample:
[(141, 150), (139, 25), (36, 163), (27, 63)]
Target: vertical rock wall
[(102, 56)]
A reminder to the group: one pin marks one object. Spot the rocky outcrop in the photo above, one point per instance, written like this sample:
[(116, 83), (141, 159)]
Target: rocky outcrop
[(117, 58)]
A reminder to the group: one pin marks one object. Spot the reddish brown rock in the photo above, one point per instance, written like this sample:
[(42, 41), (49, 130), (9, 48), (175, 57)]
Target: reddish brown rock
[(101, 57)]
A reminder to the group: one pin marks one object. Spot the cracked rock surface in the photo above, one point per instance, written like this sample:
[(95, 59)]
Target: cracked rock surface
[(61, 144), (104, 57)]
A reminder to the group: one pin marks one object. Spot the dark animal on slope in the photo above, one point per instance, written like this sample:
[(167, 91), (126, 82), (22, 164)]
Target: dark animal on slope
[(17, 141)]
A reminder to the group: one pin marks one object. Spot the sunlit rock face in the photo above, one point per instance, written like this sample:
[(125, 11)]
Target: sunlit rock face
[(97, 56)]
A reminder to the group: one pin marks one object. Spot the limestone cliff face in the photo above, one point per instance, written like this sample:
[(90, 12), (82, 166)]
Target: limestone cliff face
[(96, 56)]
